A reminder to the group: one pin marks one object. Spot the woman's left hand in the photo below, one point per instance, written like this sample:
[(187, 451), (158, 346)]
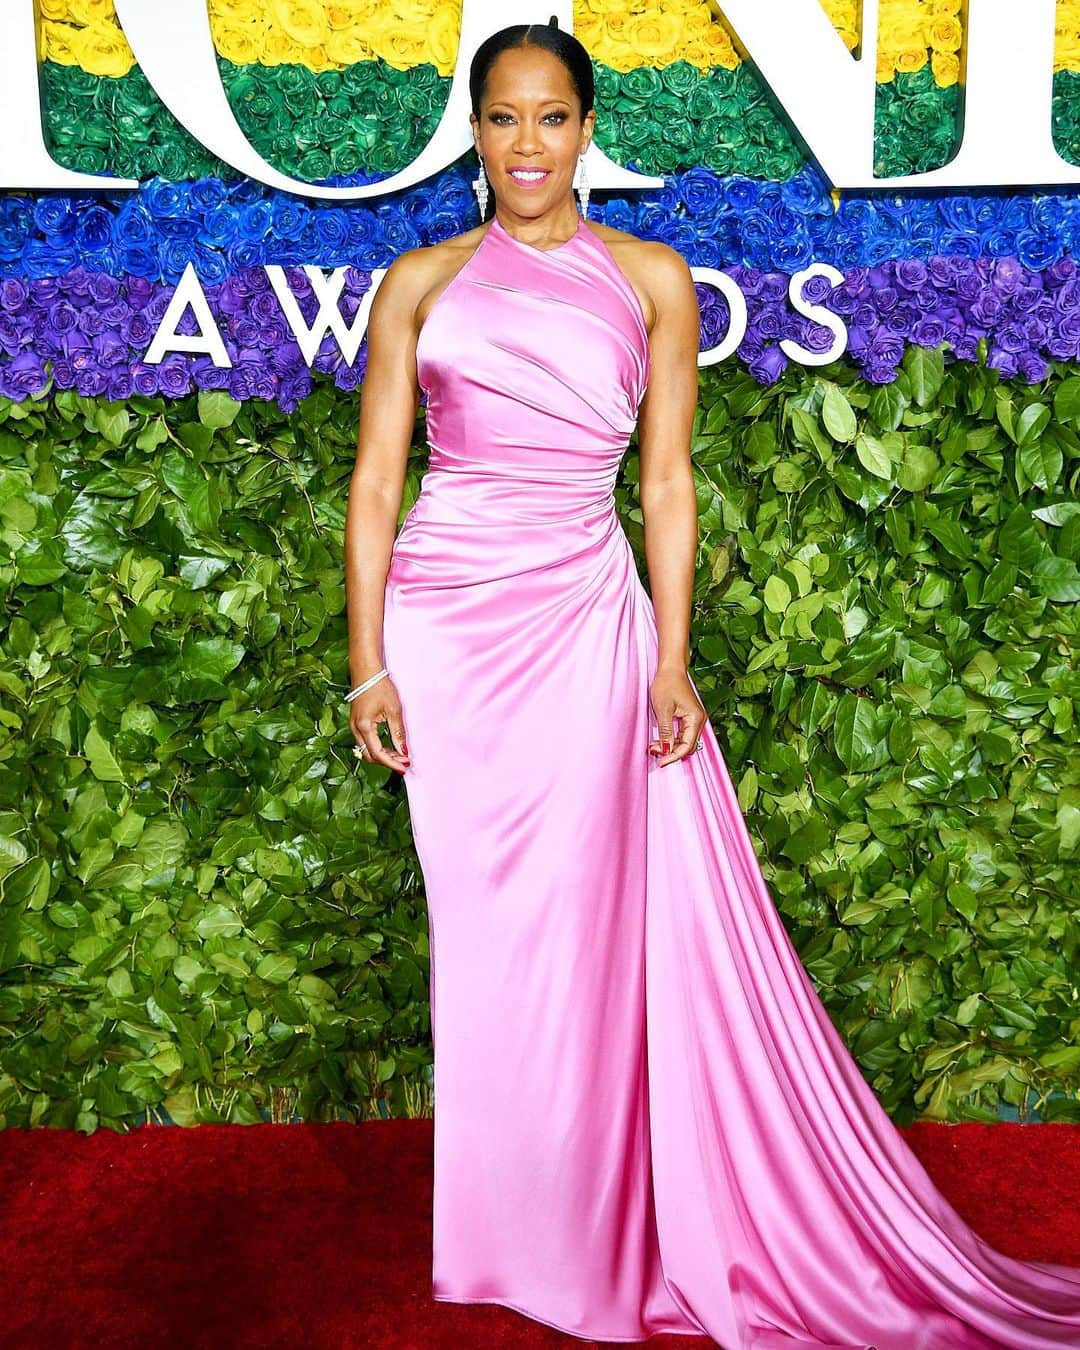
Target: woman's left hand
[(672, 695)]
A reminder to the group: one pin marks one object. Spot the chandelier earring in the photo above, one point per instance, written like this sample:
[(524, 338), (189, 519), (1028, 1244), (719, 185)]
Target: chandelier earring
[(480, 187), (583, 187)]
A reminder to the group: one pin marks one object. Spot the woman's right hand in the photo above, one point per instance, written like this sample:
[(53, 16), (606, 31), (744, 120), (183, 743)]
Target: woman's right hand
[(368, 711)]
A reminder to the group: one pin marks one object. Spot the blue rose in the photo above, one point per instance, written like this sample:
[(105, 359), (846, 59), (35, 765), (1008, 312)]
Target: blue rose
[(134, 224), (16, 221), (55, 217), (140, 260), (162, 198), (701, 190), (94, 227), (254, 222), (219, 227), (206, 194), (46, 257), (807, 194), (1036, 248)]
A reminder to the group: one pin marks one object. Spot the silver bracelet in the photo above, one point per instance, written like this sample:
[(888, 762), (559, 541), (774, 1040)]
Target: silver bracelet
[(354, 693)]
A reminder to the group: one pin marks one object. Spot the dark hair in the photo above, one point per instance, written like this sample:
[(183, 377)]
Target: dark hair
[(547, 35)]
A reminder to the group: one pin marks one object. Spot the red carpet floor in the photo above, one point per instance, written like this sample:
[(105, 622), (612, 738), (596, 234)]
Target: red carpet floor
[(319, 1236)]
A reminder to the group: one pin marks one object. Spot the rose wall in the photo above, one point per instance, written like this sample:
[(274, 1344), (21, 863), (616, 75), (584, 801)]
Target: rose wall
[(208, 910)]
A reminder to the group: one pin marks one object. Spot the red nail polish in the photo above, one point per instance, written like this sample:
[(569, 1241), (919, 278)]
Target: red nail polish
[(404, 748), (664, 747)]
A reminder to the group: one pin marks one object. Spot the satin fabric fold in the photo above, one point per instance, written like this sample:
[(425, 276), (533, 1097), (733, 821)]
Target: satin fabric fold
[(645, 1120)]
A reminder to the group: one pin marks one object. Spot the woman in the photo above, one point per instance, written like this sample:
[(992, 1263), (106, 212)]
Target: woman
[(645, 1120)]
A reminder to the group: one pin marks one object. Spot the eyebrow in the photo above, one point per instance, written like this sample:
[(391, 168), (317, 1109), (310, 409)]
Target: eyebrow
[(502, 102)]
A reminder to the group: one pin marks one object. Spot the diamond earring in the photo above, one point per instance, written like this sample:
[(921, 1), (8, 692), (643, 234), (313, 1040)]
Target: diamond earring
[(583, 182), (480, 187)]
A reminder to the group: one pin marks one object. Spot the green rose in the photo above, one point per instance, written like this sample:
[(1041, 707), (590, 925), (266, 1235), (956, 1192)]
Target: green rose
[(642, 84), (637, 133), (348, 159), (680, 78), (357, 79), (706, 99), (314, 166)]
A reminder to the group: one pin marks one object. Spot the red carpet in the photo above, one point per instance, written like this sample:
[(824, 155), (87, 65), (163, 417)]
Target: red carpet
[(231, 1236)]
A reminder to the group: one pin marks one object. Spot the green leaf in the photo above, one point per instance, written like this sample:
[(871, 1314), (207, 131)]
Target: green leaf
[(1042, 461), (855, 731), (276, 967), (777, 594), (873, 456), (1031, 424), (217, 408), (1057, 579), (838, 414), (113, 421), (103, 763), (925, 368)]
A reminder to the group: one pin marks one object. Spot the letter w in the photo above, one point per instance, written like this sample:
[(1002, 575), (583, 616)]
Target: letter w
[(329, 317)]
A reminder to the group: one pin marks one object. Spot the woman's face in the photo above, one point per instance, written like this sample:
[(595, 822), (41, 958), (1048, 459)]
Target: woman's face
[(529, 119)]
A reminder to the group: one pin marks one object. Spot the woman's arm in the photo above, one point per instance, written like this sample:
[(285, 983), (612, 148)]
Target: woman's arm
[(668, 499), (389, 400)]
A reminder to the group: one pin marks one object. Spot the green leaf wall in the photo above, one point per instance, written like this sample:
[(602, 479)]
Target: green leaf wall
[(210, 912)]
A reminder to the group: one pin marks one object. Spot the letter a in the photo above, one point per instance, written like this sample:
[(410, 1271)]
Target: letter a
[(208, 340)]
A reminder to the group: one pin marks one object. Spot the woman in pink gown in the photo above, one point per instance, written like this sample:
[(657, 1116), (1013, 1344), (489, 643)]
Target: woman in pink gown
[(645, 1120)]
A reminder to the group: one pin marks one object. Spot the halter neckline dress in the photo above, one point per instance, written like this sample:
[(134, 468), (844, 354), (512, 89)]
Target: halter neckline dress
[(645, 1120)]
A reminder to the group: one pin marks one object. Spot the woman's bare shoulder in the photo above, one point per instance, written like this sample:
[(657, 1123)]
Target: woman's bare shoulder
[(417, 276)]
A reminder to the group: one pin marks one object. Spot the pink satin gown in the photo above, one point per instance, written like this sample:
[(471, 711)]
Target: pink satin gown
[(645, 1119)]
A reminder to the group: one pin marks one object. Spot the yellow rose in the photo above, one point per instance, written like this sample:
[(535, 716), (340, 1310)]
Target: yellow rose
[(718, 43), (622, 59), (1067, 54), (911, 59), (349, 45), (231, 11), (399, 49), (590, 32), (698, 54), (415, 14), (96, 12), (835, 10), (940, 8), (946, 68), (242, 44), (239, 11), (57, 39), (696, 24), (617, 27), (303, 20), (340, 16), (946, 35), (278, 48), (103, 50), (56, 10), (654, 36), (889, 38), (444, 38), (604, 7)]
